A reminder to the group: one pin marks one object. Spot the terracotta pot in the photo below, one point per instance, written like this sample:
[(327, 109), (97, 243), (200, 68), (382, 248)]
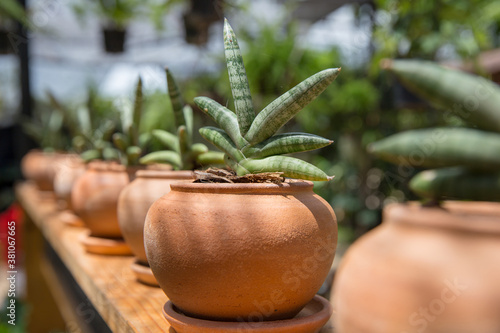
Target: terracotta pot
[(423, 270), (135, 200), (244, 252), (41, 168), (95, 197), (69, 168)]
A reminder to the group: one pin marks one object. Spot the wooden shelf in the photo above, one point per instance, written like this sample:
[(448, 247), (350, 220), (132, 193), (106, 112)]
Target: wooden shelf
[(123, 303)]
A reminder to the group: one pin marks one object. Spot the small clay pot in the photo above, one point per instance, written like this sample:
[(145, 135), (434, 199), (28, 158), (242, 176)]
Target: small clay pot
[(41, 168), (240, 252), (95, 197), (423, 270), (135, 200), (69, 168)]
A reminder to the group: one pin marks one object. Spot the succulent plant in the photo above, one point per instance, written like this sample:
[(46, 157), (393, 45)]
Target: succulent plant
[(182, 153), (249, 141), (464, 162)]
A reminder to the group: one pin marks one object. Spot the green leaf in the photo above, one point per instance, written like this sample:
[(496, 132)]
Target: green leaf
[(183, 143), (441, 147), (282, 109), (136, 118), (133, 154), (286, 144), (188, 116), (175, 99), (166, 138), (120, 141), (472, 98), (221, 140), (210, 158), (90, 155), (224, 117), (291, 167), (238, 80), (163, 156)]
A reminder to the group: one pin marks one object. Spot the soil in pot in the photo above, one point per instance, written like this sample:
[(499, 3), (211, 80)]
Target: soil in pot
[(244, 252), (95, 200), (425, 269), (133, 205)]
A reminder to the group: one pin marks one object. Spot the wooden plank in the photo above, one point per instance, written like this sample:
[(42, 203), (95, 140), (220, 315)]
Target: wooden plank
[(125, 304)]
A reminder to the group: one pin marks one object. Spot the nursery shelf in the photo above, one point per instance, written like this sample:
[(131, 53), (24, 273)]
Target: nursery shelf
[(93, 293)]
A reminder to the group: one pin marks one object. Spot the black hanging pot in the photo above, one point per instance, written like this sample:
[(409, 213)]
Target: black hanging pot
[(5, 41), (114, 39)]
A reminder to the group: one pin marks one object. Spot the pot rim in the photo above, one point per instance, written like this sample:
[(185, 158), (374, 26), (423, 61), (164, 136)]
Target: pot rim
[(471, 216), (165, 174), (290, 186)]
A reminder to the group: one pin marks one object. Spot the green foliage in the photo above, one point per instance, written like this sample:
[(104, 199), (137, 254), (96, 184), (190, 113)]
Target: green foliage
[(182, 154), (13, 10), (117, 13), (473, 152), (249, 141)]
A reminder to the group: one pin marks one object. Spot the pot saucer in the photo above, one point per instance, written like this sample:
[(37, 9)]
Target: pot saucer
[(106, 246), (144, 274), (69, 218), (310, 320)]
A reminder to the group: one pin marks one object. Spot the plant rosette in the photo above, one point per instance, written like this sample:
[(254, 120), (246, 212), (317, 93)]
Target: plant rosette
[(247, 252), (95, 199), (425, 269), (133, 204)]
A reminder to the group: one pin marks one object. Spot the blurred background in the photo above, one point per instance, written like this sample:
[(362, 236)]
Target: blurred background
[(90, 52)]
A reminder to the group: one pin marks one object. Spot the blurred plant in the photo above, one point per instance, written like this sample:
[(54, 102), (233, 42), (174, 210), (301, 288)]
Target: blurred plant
[(464, 162), (183, 154), (12, 10), (114, 13), (430, 29)]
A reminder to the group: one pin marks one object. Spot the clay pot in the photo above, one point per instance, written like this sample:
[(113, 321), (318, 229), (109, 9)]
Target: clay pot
[(134, 202), (69, 168), (423, 270), (95, 197), (41, 168), (244, 252)]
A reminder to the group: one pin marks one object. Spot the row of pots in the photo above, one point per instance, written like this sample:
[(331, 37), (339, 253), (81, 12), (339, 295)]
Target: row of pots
[(221, 252), (425, 269)]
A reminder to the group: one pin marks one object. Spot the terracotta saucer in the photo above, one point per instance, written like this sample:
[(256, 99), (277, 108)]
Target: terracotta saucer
[(310, 320), (144, 274), (69, 218), (106, 246)]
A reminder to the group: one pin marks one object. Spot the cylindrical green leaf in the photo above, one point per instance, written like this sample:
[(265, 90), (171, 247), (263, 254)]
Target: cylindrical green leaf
[(136, 118), (472, 98), (456, 183), (167, 139), (441, 147), (164, 156), (120, 141), (224, 117), (282, 109), (133, 154), (90, 155), (286, 144), (291, 167), (175, 99), (221, 140), (238, 80), (210, 158)]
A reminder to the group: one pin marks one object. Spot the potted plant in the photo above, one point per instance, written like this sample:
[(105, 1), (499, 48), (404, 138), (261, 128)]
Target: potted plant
[(111, 167), (150, 184), (115, 16), (432, 267), (251, 252), (45, 127)]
